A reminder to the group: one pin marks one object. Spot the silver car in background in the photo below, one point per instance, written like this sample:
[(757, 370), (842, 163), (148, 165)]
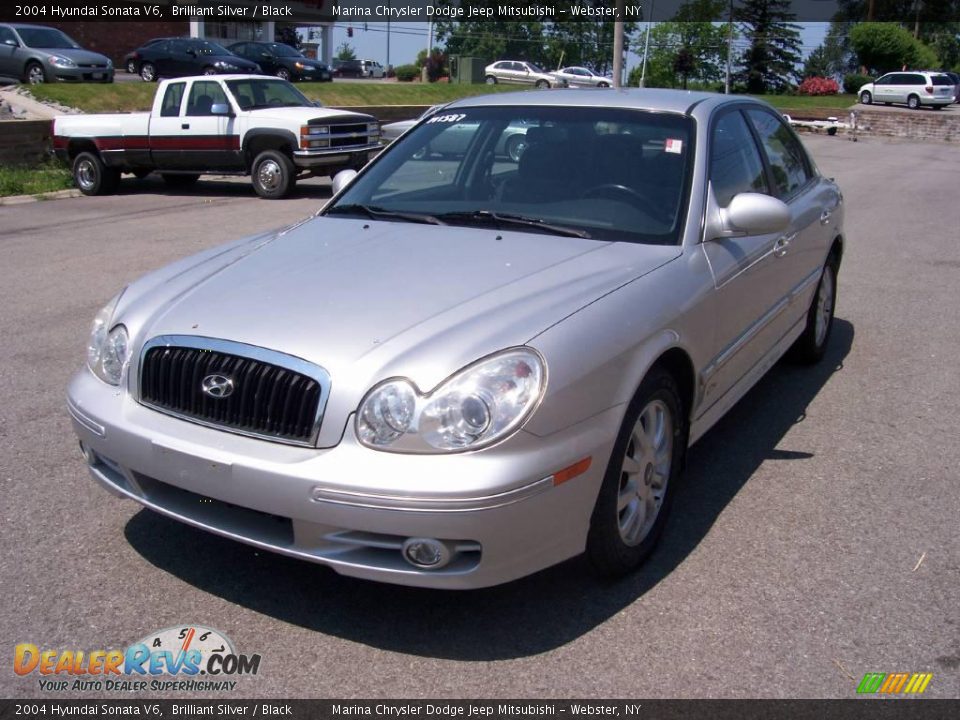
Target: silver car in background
[(520, 72), (38, 54), (468, 368), (582, 77)]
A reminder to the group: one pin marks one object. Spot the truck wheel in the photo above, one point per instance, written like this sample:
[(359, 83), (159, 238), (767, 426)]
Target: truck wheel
[(92, 177), (34, 74), (273, 174), (179, 180), (148, 72)]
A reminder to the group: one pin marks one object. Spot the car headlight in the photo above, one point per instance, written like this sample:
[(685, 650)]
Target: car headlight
[(225, 65), (61, 61), (108, 349), (479, 405)]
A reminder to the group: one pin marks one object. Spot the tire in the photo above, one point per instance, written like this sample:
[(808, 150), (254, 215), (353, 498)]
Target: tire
[(273, 174), (491, 80), (34, 74), (131, 67), (866, 98), (148, 72), (209, 70), (283, 74), (92, 177), (913, 102), (542, 84), (621, 538), (516, 144), (603, 84), (178, 180), (811, 346)]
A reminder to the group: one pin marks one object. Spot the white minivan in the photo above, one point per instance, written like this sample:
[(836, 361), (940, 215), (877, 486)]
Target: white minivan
[(913, 88), (371, 69)]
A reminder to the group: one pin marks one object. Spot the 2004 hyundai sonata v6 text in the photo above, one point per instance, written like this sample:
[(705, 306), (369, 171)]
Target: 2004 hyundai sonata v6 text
[(473, 365)]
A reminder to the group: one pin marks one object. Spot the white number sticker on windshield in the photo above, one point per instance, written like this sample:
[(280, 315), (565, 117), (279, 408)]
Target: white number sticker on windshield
[(446, 119)]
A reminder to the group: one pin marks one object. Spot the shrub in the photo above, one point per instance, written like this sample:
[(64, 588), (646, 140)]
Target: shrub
[(819, 86), (407, 73), (854, 81)]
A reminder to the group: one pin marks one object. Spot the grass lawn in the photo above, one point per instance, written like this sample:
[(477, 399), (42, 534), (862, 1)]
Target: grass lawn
[(134, 96), (46, 178)]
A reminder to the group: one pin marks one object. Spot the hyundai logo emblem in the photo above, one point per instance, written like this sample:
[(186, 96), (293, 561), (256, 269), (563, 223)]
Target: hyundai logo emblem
[(217, 386)]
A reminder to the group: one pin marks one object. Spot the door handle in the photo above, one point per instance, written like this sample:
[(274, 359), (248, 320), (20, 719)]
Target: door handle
[(825, 217), (186, 126), (782, 244)]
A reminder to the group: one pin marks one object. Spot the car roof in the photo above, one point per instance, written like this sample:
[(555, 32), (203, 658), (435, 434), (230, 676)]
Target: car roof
[(29, 26), (675, 101)]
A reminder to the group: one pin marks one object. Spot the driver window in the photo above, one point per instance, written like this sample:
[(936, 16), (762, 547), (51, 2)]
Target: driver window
[(735, 165)]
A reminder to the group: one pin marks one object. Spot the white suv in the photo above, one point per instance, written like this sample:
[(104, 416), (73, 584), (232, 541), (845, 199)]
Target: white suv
[(371, 69), (915, 88)]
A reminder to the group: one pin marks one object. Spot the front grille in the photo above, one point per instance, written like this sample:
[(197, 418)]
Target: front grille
[(267, 400)]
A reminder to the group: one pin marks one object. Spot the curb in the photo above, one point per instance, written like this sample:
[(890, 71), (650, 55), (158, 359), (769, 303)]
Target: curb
[(21, 199)]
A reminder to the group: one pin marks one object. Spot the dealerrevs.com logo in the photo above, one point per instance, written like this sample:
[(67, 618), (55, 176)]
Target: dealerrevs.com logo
[(185, 658)]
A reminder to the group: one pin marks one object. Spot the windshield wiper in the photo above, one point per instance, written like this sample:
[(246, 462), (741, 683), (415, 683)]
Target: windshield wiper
[(499, 219), (378, 213)]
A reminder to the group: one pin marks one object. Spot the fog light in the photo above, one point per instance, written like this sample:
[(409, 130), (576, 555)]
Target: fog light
[(426, 553)]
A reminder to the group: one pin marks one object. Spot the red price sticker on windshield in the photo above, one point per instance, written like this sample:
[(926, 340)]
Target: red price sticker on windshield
[(673, 146)]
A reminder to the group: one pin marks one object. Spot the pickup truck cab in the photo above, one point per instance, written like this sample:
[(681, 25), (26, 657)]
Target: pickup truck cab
[(245, 124)]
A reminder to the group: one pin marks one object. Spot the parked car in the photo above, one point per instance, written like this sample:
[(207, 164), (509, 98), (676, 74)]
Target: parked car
[(250, 124), (372, 69), (179, 57), (284, 61), (347, 68), (38, 54), (131, 61), (391, 131), (457, 374), (914, 88), (955, 78), (521, 73), (582, 77)]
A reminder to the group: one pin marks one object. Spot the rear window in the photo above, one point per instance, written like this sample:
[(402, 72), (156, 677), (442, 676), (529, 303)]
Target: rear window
[(941, 80)]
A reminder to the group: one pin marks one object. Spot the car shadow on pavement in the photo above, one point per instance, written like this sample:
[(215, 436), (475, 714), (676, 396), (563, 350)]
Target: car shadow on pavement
[(525, 617), (217, 186)]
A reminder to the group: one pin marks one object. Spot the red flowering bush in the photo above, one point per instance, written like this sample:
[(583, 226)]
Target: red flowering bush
[(819, 86)]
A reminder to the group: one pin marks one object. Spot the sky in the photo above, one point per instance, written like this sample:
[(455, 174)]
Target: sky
[(408, 38)]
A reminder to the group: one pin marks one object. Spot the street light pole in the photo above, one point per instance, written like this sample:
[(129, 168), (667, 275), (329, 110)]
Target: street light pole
[(646, 49), (618, 44)]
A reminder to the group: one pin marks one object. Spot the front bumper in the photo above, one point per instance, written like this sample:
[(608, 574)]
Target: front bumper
[(335, 156), (498, 511), (80, 74)]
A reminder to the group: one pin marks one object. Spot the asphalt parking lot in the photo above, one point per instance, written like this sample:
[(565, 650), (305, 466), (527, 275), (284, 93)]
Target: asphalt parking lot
[(814, 540)]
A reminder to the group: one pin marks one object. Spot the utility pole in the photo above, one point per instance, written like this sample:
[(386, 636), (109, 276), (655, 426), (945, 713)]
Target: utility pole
[(646, 49), (618, 44), (726, 82)]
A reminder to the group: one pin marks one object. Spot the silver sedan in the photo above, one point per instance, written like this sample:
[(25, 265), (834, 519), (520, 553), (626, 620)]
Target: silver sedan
[(582, 77), (468, 368)]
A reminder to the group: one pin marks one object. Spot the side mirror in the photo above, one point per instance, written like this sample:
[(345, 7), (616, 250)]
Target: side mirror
[(11, 42), (220, 109), (756, 214), (342, 179)]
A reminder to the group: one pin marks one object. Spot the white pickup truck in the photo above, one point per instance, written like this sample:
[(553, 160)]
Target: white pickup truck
[(245, 124)]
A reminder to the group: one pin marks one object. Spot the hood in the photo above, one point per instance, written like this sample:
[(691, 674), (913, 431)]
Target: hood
[(368, 300), (81, 57), (232, 59), (309, 112)]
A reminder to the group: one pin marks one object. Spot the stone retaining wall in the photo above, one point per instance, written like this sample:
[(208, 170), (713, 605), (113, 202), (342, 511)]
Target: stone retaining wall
[(24, 142), (925, 124)]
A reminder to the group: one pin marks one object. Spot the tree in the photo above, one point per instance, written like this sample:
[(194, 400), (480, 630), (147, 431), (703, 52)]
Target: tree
[(768, 63), (289, 36), (346, 52), (684, 64), (883, 46)]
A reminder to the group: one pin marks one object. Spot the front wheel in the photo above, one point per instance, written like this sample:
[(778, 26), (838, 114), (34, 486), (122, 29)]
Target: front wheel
[(866, 98), (811, 346), (913, 102), (542, 84), (273, 174), (640, 480), (603, 84), (491, 80), (35, 74), (148, 72), (92, 177)]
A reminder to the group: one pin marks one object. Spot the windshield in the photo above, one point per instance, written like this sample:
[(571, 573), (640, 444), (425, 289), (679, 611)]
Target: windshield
[(254, 93), (46, 38), (281, 50), (534, 68), (604, 173), (208, 48)]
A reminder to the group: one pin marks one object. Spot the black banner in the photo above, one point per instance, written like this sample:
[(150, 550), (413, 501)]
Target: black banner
[(351, 11), (855, 709)]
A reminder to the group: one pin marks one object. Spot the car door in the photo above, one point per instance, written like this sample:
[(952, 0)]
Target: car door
[(751, 288), (812, 199), (9, 65), (881, 89), (166, 150), (209, 141)]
